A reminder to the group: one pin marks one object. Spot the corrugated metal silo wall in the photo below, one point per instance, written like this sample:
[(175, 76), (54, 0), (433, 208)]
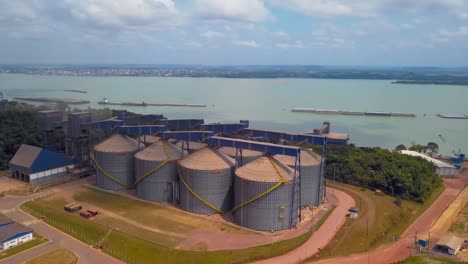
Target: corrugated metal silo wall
[(119, 165), (215, 187), (270, 212), (157, 186), (310, 186)]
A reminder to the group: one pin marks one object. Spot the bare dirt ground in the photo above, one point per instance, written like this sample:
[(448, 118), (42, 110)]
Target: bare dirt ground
[(7, 183)]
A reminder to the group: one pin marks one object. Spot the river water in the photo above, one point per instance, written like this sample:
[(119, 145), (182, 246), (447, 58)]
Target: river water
[(267, 103)]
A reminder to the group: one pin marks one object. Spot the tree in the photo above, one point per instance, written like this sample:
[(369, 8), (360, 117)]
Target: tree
[(432, 148), (418, 148), (400, 147)]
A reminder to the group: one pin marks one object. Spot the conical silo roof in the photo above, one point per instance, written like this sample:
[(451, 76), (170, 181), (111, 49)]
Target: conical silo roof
[(307, 159), (263, 170), (149, 139), (192, 145), (157, 152), (118, 143), (207, 159), (245, 152)]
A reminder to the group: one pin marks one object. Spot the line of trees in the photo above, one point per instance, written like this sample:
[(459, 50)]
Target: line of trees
[(400, 175), (430, 149)]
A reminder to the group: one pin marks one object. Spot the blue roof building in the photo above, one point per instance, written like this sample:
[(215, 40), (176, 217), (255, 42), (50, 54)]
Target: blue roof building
[(35, 165), (14, 234)]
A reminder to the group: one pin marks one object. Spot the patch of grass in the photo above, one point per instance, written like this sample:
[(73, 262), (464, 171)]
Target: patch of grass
[(72, 224), (38, 240), (169, 219), (131, 249), (58, 256), (379, 220)]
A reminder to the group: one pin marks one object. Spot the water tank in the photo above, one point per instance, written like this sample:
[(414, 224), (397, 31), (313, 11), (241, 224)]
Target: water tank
[(247, 155), (193, 146), (263, 192), (206, 182), (312, 189), (156, 171), (115, 162)]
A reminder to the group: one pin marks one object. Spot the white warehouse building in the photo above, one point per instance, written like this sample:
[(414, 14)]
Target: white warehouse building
[(443, 169), (13, 234)]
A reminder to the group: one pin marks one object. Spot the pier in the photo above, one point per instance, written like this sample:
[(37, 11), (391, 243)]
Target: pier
[(52, 100), (106, 102), (344, 112)]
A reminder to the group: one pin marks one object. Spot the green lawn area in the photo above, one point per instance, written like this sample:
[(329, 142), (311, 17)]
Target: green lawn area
[(58, 256), (131, 249), (460, 225), (169, 219), (18, 249), (379, 220)]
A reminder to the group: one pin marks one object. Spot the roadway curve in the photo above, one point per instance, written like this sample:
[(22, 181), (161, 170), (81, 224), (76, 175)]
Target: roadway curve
[(323, 235), (401, 250), (86, 254)]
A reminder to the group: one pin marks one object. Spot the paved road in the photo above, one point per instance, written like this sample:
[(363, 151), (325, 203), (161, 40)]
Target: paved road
[(323, 235), (402, 249), (10, 206)]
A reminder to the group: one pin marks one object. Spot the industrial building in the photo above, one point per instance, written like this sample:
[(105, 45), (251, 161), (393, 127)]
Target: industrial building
[(311, 181), (74, 123), (114, 160), (156, 172), (206, 182), (39, 166), (13, 234), (449, 245), (443, 169), (264, 196)]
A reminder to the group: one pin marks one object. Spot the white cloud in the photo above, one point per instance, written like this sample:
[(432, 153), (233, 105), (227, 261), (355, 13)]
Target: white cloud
[(232, 10), (120, 13), (285, 45), (368, 8), (251, 43), (193, 44), (281, 34), (407, 26), (460, 32), (329, 35), (211, 34)]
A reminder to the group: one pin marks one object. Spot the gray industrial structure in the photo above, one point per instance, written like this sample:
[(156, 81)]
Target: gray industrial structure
[(242, 156), (156, 172), (114, 159), (312, 183), (74, 123), (49, 119), (206, 182), (264, 196)]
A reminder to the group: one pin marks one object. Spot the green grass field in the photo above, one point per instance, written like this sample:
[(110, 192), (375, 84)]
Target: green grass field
[(58, 256), (132, 249), (379, 220), (38, 240)]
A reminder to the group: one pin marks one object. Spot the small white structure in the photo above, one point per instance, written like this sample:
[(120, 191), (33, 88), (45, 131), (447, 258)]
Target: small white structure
[(449, 245), (14, 234), (443, 169), (353, 212)]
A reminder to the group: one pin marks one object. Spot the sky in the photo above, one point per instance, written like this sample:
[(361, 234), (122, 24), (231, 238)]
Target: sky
[(225, 32)]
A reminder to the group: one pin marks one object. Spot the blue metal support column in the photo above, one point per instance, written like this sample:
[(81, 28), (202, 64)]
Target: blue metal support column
[(255, 145), (142, 130), (196, 136)]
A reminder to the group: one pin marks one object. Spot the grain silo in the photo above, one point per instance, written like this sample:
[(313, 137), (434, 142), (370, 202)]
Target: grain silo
[(192, 146), (263, 192), (148, 140), (312, 191), (247, 155), (206, 182), (115, 162), (156, 172)]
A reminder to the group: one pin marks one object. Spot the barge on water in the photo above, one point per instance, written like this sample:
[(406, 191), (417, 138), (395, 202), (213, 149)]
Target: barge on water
[(107, 102), (344, 112), (450, 116), (75, 91)]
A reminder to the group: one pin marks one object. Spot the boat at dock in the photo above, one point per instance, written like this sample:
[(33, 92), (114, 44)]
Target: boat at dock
[(344, 112), (452, 116)]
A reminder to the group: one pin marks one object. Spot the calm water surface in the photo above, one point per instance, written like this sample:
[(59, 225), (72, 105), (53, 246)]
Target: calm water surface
[(267, 103)]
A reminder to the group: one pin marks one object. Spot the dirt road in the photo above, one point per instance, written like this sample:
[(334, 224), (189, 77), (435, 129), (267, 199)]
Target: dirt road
[(402, 249), (323, 235)]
